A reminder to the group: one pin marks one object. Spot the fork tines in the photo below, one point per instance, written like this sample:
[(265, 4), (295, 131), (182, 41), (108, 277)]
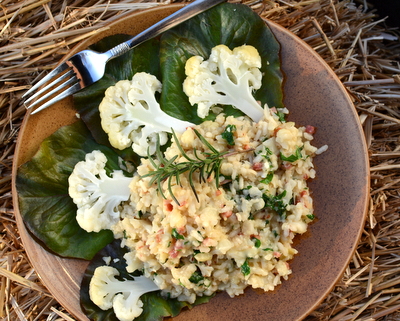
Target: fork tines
[(58, 84)]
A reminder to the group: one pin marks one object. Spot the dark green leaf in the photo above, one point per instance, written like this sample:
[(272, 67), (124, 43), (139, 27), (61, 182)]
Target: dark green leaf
[(42, 185), (229, 24)]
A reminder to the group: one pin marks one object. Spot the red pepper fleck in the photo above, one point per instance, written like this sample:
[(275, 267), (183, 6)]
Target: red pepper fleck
[(276, 130), (310, 129), (168, 206)]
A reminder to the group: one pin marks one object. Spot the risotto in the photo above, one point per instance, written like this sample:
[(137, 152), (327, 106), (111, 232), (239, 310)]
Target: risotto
[(227, 237)]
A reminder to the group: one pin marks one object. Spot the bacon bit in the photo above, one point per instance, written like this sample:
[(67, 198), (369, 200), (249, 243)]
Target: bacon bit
[(277, 254), (246, 147), (258, 166), (181, 230), (208, 242), (255, 236), (226, 214), (218, 192), (310, 129), (176, 247), (209, 179), (158, 235), (168, 206), (179, 245), (183, 204), (303, 193), (173, 253), (287, 265), (305, 177), (287, 165)]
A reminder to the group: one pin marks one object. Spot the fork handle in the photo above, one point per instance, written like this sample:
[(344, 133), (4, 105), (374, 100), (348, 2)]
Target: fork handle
[(169, 22)]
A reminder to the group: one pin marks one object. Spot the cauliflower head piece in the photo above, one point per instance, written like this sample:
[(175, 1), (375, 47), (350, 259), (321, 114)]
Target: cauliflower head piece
[(97, 195), (107, 292), (228, 77), (131, 115)]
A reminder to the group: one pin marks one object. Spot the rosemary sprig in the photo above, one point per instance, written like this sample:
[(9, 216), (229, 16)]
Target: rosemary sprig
[(167, 169)]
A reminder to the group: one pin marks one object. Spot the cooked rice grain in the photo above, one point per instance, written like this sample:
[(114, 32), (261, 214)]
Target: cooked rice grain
[(237, 234)]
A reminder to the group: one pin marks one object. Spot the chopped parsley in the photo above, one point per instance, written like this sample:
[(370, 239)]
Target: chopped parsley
[(257, 242), (267, 154), (311, 216), (276, 203), (245, 268), (176, 235), (268, 179), (228, 134), (294, 157), (281, 116), (196, 277)]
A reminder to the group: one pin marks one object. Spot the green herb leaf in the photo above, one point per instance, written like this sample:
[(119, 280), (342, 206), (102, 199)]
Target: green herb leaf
[(228, 134), (170, 169), (281, 116), (276, 203), (268, 179), (268, 249), (196, 277), (294, 157), (311, 216), (245, 268), (257, 242), (175, 234)]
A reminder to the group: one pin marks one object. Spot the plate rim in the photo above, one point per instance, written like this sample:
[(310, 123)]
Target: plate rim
[(103, 32)]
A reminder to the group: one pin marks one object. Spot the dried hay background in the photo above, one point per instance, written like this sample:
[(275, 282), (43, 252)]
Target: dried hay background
[(364, 53)]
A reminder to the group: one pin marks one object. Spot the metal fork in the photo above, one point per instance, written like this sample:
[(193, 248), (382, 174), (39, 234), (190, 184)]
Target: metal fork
[(87, 66)]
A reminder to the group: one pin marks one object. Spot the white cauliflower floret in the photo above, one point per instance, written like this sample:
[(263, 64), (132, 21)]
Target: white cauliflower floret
[(123, 296), (97, 195), (226, 78), (131, 115)]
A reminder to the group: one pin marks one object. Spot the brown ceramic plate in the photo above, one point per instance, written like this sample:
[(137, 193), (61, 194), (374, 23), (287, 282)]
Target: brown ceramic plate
[(314, 96)]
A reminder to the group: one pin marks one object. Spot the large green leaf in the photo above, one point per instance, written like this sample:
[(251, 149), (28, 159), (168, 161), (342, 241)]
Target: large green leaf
[(155, 306), (42, 184), (229, 24)]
